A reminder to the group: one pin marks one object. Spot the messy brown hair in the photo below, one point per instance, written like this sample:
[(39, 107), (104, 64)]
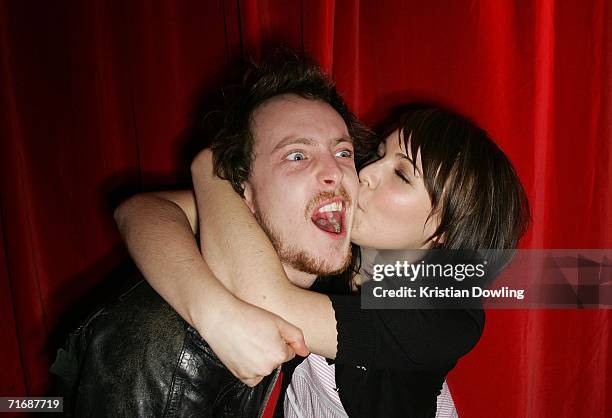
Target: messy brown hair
[(283, 72)]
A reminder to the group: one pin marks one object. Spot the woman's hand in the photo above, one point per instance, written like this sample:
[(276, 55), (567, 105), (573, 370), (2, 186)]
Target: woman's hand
[(252, 342)]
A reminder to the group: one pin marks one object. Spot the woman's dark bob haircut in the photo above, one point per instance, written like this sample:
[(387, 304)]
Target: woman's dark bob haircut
[(475, 192)]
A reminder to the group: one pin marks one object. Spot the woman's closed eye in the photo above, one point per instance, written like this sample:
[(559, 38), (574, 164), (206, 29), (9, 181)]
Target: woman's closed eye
[(402, 176)]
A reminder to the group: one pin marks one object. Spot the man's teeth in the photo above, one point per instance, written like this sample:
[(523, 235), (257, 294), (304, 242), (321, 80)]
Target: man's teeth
[(332, 207), (329, 217)]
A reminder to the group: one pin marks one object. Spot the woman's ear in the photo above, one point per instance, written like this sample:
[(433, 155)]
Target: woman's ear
[(249, 195)]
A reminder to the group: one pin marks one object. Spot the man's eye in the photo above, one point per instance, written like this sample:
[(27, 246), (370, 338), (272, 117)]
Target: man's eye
[(402, 176), (295, 156), (345, 153)]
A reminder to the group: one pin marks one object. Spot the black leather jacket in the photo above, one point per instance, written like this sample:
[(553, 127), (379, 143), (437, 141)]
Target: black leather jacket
[(138, 358)]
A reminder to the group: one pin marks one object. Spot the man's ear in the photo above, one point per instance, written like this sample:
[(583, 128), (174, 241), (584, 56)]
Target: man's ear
[(249, 195)]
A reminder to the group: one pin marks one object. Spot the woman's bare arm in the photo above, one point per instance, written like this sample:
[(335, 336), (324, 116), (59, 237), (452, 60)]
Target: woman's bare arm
[(243, 258), (158, 231)]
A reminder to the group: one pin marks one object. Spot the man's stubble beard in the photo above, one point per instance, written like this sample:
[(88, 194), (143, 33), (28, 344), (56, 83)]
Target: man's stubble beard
[(296, 258)]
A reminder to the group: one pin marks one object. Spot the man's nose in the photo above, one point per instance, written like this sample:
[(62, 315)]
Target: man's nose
[(330, 172)]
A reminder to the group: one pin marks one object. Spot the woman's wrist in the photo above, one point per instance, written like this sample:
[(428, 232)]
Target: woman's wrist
[(207, 308)]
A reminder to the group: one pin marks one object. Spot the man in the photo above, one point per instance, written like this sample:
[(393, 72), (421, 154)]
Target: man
[(137, 357)]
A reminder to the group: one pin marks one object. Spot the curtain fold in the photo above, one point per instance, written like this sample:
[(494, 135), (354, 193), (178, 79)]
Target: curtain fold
[(99, 100)]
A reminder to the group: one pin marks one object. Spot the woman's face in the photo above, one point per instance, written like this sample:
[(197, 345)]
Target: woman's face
[(393, 204)]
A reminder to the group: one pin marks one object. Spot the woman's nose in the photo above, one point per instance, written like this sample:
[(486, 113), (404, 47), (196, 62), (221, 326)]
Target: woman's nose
[(368, 176)]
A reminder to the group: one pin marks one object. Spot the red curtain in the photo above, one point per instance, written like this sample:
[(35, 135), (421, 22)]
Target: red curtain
[(98, 97)]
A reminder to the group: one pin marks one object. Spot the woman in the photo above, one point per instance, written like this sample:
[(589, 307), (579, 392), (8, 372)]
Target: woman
[(438, 181)]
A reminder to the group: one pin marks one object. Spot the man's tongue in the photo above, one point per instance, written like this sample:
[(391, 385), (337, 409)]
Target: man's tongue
[(328, 221)]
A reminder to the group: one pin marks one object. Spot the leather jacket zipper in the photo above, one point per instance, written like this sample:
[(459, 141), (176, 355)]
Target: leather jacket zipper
[(269, 390)]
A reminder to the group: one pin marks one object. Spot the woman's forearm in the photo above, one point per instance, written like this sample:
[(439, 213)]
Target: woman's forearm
[(240, 254), (157, 229)]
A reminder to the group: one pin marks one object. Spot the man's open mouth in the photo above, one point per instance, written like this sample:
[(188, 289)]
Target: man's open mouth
[(329, 216)]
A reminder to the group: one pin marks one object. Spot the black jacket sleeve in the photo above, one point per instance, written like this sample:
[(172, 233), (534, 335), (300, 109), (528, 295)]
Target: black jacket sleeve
[(408, 339)]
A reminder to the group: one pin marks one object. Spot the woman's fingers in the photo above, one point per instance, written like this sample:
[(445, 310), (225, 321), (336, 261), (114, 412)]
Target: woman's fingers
[(294, 338)]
